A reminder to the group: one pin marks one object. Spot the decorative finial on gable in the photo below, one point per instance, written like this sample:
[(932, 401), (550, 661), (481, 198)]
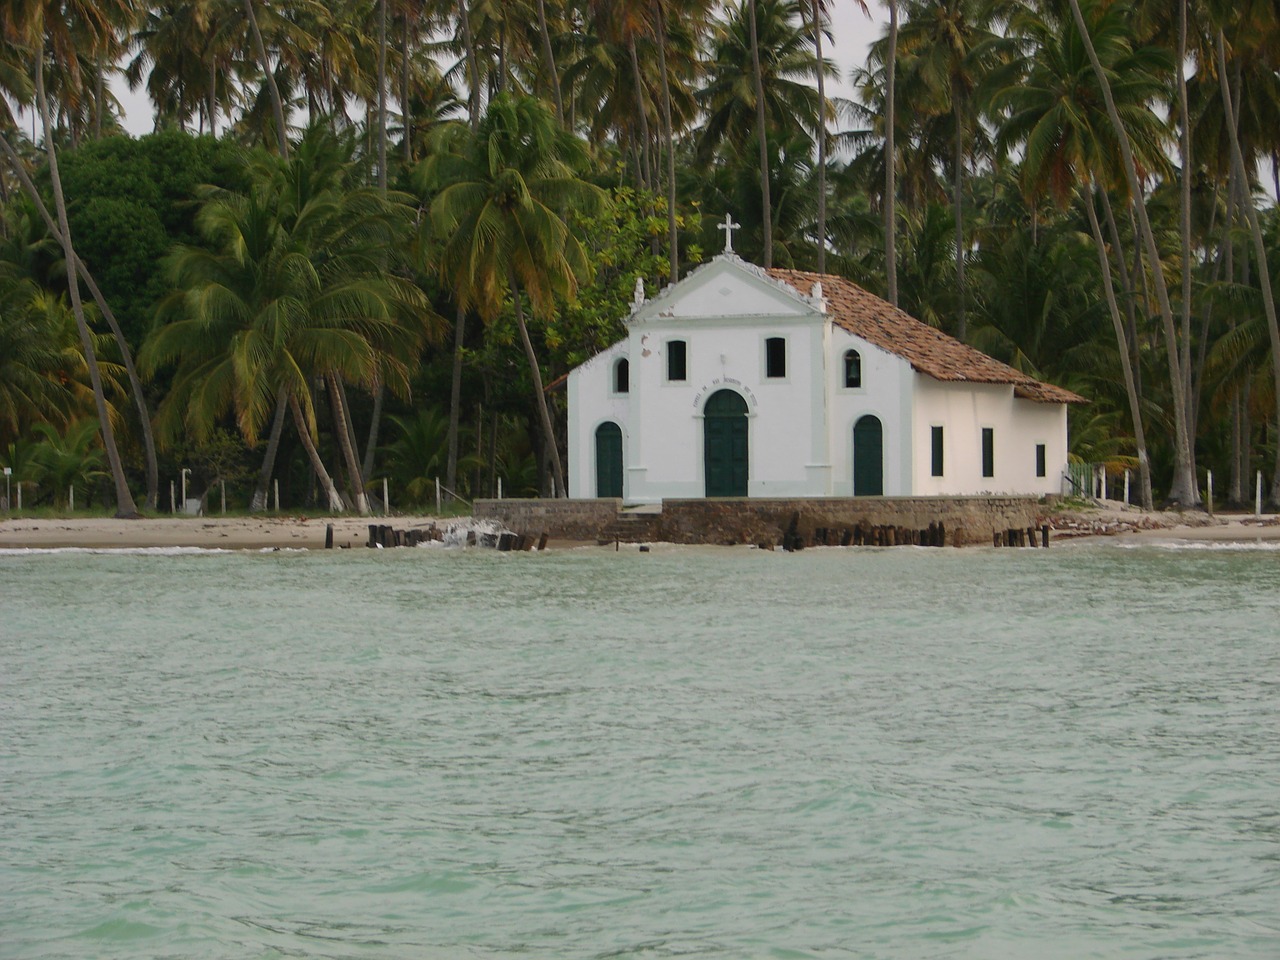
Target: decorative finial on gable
[(637, 299), (728, 227), (816, 296)]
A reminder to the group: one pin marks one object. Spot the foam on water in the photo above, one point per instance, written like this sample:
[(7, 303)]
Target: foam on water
[(1054, 753)]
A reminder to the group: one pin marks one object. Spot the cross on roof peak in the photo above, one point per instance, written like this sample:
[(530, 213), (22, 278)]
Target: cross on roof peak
[(728, 227)]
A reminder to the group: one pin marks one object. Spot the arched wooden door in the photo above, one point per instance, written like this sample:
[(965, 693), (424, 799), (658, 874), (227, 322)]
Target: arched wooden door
[(608, 460), (725, 453), (868, 457)]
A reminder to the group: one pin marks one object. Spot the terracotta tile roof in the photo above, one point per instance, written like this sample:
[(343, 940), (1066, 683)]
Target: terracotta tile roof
[(928, 350)]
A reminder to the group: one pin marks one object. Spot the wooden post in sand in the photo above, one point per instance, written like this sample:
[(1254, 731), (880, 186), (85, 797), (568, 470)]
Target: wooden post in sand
[(1257, 502), (275, 484), (386, 502), (223, 484), (71, 497), (1126, 486), (328, 536), (172, 508), (1210, 504), (437, 496)]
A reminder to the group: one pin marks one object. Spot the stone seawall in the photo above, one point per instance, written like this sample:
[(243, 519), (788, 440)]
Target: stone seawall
[(967, 520)]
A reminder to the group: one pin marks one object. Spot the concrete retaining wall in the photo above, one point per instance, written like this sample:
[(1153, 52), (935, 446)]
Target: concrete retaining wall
[(968, 520)]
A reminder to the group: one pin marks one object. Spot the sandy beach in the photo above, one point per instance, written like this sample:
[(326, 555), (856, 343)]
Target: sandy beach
[(308, 533)]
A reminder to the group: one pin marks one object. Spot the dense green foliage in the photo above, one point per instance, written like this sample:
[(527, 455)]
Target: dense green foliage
[(369, 293)]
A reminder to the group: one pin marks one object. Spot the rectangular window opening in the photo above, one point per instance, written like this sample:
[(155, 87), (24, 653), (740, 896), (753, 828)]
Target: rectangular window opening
[(677, 360), (1040, 460), (775, 357), (937, 451), (988, 452)]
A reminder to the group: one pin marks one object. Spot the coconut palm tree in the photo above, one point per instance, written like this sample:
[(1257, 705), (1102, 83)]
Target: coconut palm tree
[(502, 207)]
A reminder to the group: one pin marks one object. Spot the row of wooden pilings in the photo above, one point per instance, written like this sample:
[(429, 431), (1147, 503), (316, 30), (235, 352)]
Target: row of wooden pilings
[(385, 536), (1018, 537), (866, 535)]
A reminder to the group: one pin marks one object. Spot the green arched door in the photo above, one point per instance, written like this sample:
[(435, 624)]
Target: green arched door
[(724, 430), (608, 460), (868, 457)]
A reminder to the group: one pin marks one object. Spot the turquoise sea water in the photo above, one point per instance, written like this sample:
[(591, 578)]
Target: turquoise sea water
[(715, 753)]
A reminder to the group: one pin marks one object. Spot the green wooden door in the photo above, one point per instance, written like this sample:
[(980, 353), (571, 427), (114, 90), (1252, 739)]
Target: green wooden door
[(608, 460), (725, 445), (868, 458)]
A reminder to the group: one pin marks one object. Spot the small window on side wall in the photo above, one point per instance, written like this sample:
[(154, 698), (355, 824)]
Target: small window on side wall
[(622, 376), (677, 360), (1040, 460), (775, 357), (852, 369), (936, 436), (988, 452)]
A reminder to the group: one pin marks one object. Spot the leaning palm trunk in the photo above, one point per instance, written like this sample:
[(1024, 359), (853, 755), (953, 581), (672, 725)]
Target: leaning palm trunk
[(766, 203), (1131, 390), (126, 354), (553, 77), (125, 507), (317, 465), (816, 11), (668, 136), (277, 103), (259, 501), (455, 397), (890, 162), (1260, 250), (544, 415), (962, 325), (382, 97), (642, 114), (341, 420), (1183, 489)]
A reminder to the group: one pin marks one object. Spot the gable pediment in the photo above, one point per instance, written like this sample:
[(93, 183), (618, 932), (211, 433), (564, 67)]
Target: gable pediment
[(727, 288)]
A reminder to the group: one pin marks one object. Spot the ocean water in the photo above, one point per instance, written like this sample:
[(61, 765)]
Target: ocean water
[(440, 753)]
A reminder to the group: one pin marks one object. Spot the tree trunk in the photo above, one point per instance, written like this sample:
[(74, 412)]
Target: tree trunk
[(1259, 247), (259, 501), (642, 114), (406, 122), (473, 68), (126, 354), (455, 397), (766, 203), (816, 12), (668, 135), (553, 76), (1184, 146), (962, 324), (1131, 390), (277, 104), (382, 99), (1183, 489), (544, 415), (125, 507), (341, 424), (890, 161), (371, 444), (304, 434)]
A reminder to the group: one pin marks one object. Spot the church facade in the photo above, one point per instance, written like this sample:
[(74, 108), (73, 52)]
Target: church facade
[(739, 381)]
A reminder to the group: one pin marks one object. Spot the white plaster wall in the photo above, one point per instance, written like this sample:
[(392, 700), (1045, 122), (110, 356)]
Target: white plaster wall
[(962, 410), (787, 446), (885, 393), (592, 401)]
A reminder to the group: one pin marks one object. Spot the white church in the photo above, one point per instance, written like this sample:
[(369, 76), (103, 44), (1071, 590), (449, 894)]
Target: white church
[(744, 382)]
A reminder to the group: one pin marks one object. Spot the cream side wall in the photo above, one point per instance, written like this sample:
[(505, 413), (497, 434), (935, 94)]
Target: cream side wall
[(886, 394), (962, 410)]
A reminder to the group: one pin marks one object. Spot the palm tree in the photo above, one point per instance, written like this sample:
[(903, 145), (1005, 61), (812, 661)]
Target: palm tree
[(59, 28), (502, 206), (1184, 489)]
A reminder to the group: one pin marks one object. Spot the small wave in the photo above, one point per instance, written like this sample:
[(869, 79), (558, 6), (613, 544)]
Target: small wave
[(1173, 544)]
